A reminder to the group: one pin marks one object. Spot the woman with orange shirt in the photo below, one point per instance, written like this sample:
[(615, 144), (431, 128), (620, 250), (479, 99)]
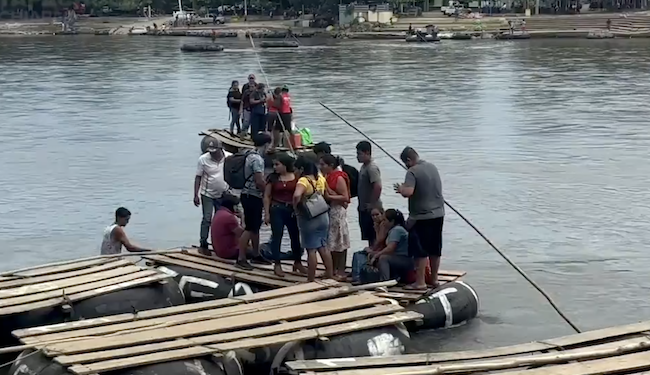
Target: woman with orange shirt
[(337, 194)]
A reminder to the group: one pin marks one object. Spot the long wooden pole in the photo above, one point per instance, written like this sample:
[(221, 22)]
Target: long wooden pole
[(504, 256)]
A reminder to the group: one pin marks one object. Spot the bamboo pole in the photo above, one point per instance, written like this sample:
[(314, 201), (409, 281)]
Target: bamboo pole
[(538, 360), (64, 262)]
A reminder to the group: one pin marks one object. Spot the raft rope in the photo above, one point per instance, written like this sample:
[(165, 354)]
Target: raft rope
[(259, 62), (466, 220), (23, 357)]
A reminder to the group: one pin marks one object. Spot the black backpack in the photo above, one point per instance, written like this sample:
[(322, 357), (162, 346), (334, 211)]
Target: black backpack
[(234, 170), (353, 175)]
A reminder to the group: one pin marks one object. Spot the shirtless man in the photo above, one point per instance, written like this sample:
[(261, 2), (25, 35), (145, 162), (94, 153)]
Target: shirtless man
[(115, 237)]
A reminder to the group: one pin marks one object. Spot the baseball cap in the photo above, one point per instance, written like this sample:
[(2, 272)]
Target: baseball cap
[(260, 139), (213, 146), (251, 76), (285, 87), (323, 147)]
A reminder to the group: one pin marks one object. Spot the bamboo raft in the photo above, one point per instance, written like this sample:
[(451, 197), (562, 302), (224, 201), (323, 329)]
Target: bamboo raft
[(616, 350), (67, 282), (263, 275), (291, 314), (232, 143)]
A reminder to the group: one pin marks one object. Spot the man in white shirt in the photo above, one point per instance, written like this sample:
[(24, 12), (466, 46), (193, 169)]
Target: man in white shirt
[(209, 186)]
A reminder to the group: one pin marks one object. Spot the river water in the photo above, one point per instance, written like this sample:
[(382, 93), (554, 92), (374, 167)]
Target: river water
[(542, 144)]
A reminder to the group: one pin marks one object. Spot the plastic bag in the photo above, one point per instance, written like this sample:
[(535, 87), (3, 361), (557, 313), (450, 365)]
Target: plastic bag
[(305, 134)]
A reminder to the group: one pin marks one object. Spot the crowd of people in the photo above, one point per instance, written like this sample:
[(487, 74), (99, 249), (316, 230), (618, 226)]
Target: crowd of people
[(255, 107), (309, 195)]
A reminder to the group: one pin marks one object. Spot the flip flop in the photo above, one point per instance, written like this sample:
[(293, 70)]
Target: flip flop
[(416, 287)]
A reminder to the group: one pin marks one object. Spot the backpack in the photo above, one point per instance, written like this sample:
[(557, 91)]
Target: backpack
[(353, 175), (234, 170)]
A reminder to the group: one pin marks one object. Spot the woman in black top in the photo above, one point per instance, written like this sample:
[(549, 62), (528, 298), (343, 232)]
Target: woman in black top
[(234, 103)]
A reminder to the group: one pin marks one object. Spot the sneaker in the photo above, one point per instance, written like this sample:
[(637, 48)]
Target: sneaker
[(261, 260), (243, 264)]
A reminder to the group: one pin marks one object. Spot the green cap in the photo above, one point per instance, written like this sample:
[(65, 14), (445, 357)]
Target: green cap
[(285, 87)]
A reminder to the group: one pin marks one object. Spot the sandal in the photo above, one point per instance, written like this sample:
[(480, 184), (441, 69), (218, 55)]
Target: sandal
[(417, 287)]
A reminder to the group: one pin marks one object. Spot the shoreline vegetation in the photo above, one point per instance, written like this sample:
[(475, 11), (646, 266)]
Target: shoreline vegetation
[(632, 25)]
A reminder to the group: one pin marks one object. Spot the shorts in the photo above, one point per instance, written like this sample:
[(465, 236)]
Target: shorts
[(284, 124), (367, 226), (425, 238), (253, 207), (271, 119)]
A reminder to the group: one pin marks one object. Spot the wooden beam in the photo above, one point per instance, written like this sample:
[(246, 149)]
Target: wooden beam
[(64, 275), (217, 325), (47, 333), (230, 336)]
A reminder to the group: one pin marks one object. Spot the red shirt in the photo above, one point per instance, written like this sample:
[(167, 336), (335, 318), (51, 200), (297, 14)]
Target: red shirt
[(286, 103), (334, 176), (282, 191), (270, 104), (224, 240)]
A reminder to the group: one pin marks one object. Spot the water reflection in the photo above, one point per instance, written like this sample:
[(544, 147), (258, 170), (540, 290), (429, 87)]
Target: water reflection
[(541, 143)]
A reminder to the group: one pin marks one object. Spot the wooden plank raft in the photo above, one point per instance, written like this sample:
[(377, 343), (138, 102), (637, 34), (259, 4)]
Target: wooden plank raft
[(234, 141), (70, 281), (263, 274), (616, 350), (299, 312)]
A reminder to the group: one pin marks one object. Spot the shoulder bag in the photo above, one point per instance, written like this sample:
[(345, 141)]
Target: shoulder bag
[(315, 205)]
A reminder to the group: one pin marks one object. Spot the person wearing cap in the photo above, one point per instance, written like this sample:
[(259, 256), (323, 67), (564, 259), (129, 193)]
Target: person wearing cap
[(245, 109), (252, 200), (323, 148), (209, 186)]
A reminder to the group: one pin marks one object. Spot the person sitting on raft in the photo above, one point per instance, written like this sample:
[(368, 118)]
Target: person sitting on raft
[(393, 260), (226, 229), (360, 258)]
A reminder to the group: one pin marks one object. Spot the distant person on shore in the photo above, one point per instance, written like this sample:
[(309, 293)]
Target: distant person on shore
[(245, 108), (115, 237), (209, 186), (369, 190), (234, 103), (423, 188)]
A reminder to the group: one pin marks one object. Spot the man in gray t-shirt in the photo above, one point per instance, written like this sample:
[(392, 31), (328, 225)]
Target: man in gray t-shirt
[(423, 188), (368, 190)]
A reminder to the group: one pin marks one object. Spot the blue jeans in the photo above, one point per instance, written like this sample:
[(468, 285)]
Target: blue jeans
[(282, 215), (359, 259), (258, 123), (209, 207), (234, 120), (246, 120)]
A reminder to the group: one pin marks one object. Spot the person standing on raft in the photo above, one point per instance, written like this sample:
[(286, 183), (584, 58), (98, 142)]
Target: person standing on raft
[(423, 188), (209, 186), (115, 237), (369, 191)]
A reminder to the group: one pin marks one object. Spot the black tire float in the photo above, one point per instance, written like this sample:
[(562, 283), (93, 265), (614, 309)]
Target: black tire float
[(198, 286), (382, 341), (36, 363), (454, 304), (147, 297)]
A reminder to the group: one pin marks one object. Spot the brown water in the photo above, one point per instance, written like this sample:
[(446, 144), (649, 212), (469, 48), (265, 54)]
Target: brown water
[(541, 143)]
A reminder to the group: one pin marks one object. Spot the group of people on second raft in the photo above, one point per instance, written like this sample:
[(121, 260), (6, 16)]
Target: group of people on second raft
[(310, 195), (253, 106)]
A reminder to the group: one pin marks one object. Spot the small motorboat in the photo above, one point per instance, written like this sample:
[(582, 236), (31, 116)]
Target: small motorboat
[(422, 38), (138, 30), (512, 36), (204, 47)]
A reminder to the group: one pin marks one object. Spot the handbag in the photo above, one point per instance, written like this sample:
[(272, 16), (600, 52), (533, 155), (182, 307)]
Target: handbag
[(315, 205)]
